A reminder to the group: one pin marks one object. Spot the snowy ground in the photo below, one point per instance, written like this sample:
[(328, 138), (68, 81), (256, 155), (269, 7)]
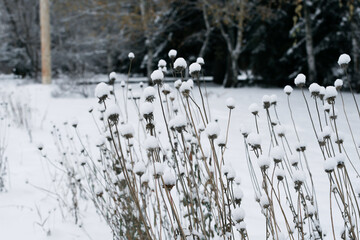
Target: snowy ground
[(27, 206)]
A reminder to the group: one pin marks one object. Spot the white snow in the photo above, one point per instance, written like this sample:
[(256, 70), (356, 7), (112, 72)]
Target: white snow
[(212, 130), (288, 89), (254, 139), (330, 92), (149, 92), (254, 108), (172, 53), (161, 63), (177, 83), (180, 64), (338, 84), (102, 90), (139, 168), (344, 59), (112, 76), (264, 162), (200, 61), (151, 143), (230, 103), (112, 110), (157, 75), (146, 108), (131, 55), (194, 68), (300, 80), (314, 88)]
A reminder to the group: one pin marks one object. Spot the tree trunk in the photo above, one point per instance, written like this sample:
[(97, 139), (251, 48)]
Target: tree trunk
[(309, 46), (232, 73)]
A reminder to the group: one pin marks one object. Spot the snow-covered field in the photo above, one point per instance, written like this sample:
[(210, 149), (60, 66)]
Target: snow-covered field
[(29, 210)]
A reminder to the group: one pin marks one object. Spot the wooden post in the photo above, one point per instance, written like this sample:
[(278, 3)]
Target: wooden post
[(45, 42)]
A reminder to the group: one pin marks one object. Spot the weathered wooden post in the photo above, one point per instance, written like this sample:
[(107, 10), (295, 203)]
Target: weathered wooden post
[(45, 42)]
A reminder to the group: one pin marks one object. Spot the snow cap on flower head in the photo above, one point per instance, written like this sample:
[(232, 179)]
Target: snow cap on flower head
[(300, 80), (172, 53), (131, 55), (180, 64), (230, 103), (344, 60), (157, 76), (288, 89)]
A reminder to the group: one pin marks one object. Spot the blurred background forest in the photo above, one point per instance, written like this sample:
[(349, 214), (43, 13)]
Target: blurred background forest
[(266, 42)]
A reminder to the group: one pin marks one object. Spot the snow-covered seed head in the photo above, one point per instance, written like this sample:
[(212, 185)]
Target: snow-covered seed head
[(300, 147), (264, 162), (344, 60), (180, 64), (340, 160), (212, 130), (149, 94), (238, 195), (169, 179), (273, 99), (112, 78), (166, 89), (330, 94), (40, 146), (98, 191), (179, 123), (139, 168), (245, 130), (230, 103), (338, 84), (102, 91), (288, 89), (91, 109), (200, 61), (280, 174), (294, 160), (264, 201), (122, 84), (83, 162), (147, 110), (254, 108), (127, 131), (172, 53), (254, 140), (277, 154), (266, 101), (322, 93), (157, 77), (300, 80), (194, 69), (161, 63), (159, 169), (74, 123), (280, 130), (151, 143), (191, 83), (329, 165), (131, 56), (314, 89), (177, 84), (298, 178), (185, 88), (238, 214), (112, 113)]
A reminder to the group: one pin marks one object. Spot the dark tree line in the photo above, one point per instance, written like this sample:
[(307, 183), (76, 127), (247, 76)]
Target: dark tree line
[(269, 41)]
